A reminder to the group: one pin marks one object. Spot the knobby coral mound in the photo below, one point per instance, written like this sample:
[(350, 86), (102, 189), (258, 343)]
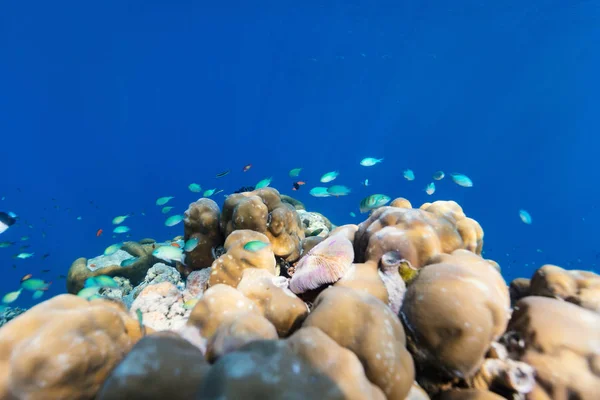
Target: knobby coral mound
[(454, 310), (64, 348), (263, 211), (201, 222), (228, 268)]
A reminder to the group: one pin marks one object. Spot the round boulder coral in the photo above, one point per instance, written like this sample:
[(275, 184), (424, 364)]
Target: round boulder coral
[(64, 348), (201, 222)]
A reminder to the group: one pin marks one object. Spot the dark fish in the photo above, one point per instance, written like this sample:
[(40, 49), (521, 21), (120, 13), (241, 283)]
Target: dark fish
[(62, 276), (45, 270), (7, 220), (222, 174), (315, 232), (45, 256)]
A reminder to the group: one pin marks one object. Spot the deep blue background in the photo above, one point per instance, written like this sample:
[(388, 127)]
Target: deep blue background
[(121, 102)]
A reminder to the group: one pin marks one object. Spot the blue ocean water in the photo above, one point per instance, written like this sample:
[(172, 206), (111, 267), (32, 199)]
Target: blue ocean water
[(106, 106)]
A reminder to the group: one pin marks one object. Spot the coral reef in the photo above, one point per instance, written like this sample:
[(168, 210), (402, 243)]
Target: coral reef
[(276, 302), (10, 313)]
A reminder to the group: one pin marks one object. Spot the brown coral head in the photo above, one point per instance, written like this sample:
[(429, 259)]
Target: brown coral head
[(324, 264)]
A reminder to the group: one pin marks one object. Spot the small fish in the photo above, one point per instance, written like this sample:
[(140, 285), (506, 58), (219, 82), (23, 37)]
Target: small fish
[(88, 292), (140, 318), (119, 219), (525, 217), (407, 271), (319, 191), (462, 180), (168, 253), (99, 232), (430, 188), (24, 238), (365, 183), (102, 281), (121, 229), (222, 174), (7, 219), (190, 244), (297, 185), (25, 277), (315, 232), (370, 161), (373, 201), (79, 218), (45, 271), (329, 176), (352, 214), (175, 244), (264, 183), (37, 294), (163, 200), (33, 284), (194, 187), (188, 305), (338, 190), (439, 175), (128, 261), (166, 209), (11, 297), (255, 245), (209, 192), (4, 245), (409, 175), (23, 256), (246, 167), (294, 172), (25, 246), (45, 256), (174, 220), (112, 249)]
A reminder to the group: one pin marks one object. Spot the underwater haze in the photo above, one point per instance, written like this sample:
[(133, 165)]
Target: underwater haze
[(107, 106)]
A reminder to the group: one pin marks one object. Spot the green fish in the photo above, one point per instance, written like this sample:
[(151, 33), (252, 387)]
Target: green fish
[(255, 245), (370, 161), (174, 220), (140, 318), (338, 190), (164, 200), (23, 256), (11, 297), (439, 175), (119, 219), (127, 262), (352, 214), (37, 294), (188, 305), (330, 176), (373, 201), (112, 249), (165, 210), (4, 245), (101, 281), (319, 191), (168, 253), (295, 172), (88, 292), (190, 245), (409, 175), (462, 180), (121, 229), (34, 284), (79, 218), (209, 192), (23, 238), (194, 187), (264, 183)]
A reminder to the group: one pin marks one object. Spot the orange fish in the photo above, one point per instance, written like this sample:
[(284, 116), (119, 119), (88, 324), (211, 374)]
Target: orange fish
[(247, 167), (175, 245), (301, 183), (92, 265), (297, 185), (99, 232), (23, 279)]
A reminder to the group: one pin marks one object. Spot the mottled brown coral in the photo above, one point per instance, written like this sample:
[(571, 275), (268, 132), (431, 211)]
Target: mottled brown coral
[(518, 289), (349, 231), (366, 326), (401, 202), (135, 272), (202, 222), (228, 268), (468, 394), (341, 365), (562, 342), (64, 348), (365, 278), (277, 303), (159, 366), (454, 310), (263, 211), (578, 287)]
